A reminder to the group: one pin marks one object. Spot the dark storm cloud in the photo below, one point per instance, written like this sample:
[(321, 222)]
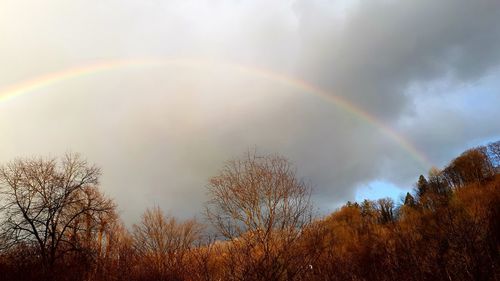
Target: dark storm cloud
[(383, 47)]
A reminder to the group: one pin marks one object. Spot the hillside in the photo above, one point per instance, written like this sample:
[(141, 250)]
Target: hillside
[(448, 228)]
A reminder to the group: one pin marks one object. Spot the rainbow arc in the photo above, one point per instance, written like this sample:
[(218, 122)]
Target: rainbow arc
[(46, 80)]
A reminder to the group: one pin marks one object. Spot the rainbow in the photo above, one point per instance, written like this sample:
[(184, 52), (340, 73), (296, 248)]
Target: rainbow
[(32, 85)]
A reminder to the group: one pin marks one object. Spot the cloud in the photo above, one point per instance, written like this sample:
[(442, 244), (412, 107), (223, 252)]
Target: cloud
[(383, 47), (160, 132)]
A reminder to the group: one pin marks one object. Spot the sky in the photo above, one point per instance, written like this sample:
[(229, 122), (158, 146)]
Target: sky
[(362, 96)]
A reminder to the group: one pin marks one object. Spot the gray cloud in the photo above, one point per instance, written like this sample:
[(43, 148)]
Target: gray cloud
[(383, 47), (160, 132)]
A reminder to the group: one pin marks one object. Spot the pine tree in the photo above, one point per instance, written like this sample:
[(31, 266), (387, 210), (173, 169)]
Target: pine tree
[(422, 186), (409, 200)]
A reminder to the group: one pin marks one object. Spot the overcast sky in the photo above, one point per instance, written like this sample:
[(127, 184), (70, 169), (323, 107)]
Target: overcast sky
[(426, 70)]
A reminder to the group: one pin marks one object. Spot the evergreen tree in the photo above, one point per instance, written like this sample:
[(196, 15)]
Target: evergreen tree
[(422, 186), (409, 200)]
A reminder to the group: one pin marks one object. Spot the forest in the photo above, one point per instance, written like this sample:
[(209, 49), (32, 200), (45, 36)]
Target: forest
[(259, 223)]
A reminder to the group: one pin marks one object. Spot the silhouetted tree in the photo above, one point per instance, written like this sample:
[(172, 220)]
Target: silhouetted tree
[(385, 208), (409, 200), (494, 152), (422, 186), (51, 204)]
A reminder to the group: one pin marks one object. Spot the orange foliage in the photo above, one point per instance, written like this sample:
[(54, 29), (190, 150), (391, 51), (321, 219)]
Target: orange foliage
[(448, 230)]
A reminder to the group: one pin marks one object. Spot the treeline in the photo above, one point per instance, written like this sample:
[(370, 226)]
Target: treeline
[(57, 225)]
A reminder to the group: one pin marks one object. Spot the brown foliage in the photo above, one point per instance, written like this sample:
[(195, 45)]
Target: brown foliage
[(161, 244), (447, 230), (474, 165)]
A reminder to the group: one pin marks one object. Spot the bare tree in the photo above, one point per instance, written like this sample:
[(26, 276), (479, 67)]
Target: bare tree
[(259, 203), (385, 207), (494, 153), (162, 242), (50, 204)]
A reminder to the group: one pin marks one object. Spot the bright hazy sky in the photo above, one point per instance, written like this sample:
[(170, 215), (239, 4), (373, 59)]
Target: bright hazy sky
[(202, 82)]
